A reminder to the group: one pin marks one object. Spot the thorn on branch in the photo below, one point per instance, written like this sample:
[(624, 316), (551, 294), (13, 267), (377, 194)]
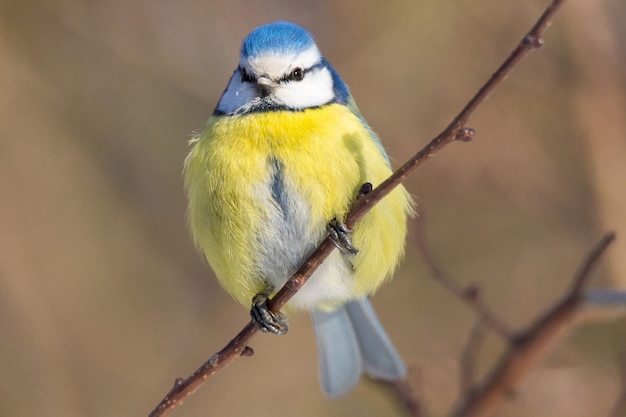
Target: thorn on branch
[(532, 42), (247, 351), (465, 135), (295, 283), (365, 189)]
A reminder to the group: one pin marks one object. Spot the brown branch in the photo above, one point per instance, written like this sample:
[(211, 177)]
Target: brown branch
[(531, 343), (619, 408), (470, 295), (455, 131), (468, 359), (407, 395), (183, 388)]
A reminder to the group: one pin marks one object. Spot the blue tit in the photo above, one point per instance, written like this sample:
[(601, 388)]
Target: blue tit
[(284, 155)]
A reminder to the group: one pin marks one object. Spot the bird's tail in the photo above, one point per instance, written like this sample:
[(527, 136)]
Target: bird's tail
[(351, 340)]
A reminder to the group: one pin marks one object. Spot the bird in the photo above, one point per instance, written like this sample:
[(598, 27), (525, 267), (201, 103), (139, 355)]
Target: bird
[(272, 174)]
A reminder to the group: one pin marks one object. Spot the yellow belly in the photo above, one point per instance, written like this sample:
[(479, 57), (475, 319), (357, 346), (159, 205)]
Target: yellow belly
[(262, 188)]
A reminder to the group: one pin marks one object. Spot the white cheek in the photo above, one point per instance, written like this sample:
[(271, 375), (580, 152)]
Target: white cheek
[(236, 95), (316, 89)]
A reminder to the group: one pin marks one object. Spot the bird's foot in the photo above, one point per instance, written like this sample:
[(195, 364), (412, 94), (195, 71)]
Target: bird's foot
[(265, 319), (340, 235)]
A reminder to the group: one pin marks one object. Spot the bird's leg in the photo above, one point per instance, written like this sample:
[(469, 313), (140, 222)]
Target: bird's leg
[(340, 235), (266, 320)]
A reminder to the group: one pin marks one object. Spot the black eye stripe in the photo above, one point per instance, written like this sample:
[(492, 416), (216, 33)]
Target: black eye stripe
[(298, 73), (245, 77)]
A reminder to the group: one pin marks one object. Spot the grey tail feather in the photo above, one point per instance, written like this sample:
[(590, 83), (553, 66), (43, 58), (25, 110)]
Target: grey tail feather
[(380, 358), (338, 349), (350, 340)]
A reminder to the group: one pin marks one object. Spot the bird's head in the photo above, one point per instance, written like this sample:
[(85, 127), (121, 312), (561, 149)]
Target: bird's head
[(281, 68)]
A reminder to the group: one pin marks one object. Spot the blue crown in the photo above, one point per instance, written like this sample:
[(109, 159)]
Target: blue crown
[(278, 38)]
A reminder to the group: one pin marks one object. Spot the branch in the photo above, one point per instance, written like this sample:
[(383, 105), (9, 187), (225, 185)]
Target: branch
[(468, 359), (470, 295), (455, 131), (408, 395), (531, 343), (619, 408)]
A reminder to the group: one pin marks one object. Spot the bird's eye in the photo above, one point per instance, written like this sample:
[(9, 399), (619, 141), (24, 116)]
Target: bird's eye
[(245, 77), (297, 74)]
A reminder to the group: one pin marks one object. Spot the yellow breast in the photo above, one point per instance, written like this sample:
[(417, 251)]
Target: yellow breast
[(262, 188)]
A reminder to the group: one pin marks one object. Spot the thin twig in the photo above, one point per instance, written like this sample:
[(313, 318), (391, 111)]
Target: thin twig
[(619, 408), (455, 131), (467, 367), (470, 295), (407, 394), (532, 343)]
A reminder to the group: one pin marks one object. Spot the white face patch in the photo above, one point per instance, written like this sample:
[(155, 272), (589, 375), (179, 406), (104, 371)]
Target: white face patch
[(314, 89)]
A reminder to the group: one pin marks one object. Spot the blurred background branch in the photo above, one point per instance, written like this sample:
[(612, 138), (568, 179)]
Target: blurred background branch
[(619, 408), (530, 344)]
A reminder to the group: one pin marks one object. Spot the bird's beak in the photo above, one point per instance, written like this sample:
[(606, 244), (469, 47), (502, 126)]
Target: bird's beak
[(264, 85)]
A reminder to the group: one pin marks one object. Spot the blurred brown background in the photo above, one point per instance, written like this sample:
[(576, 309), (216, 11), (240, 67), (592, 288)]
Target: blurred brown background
[(103, 299)]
